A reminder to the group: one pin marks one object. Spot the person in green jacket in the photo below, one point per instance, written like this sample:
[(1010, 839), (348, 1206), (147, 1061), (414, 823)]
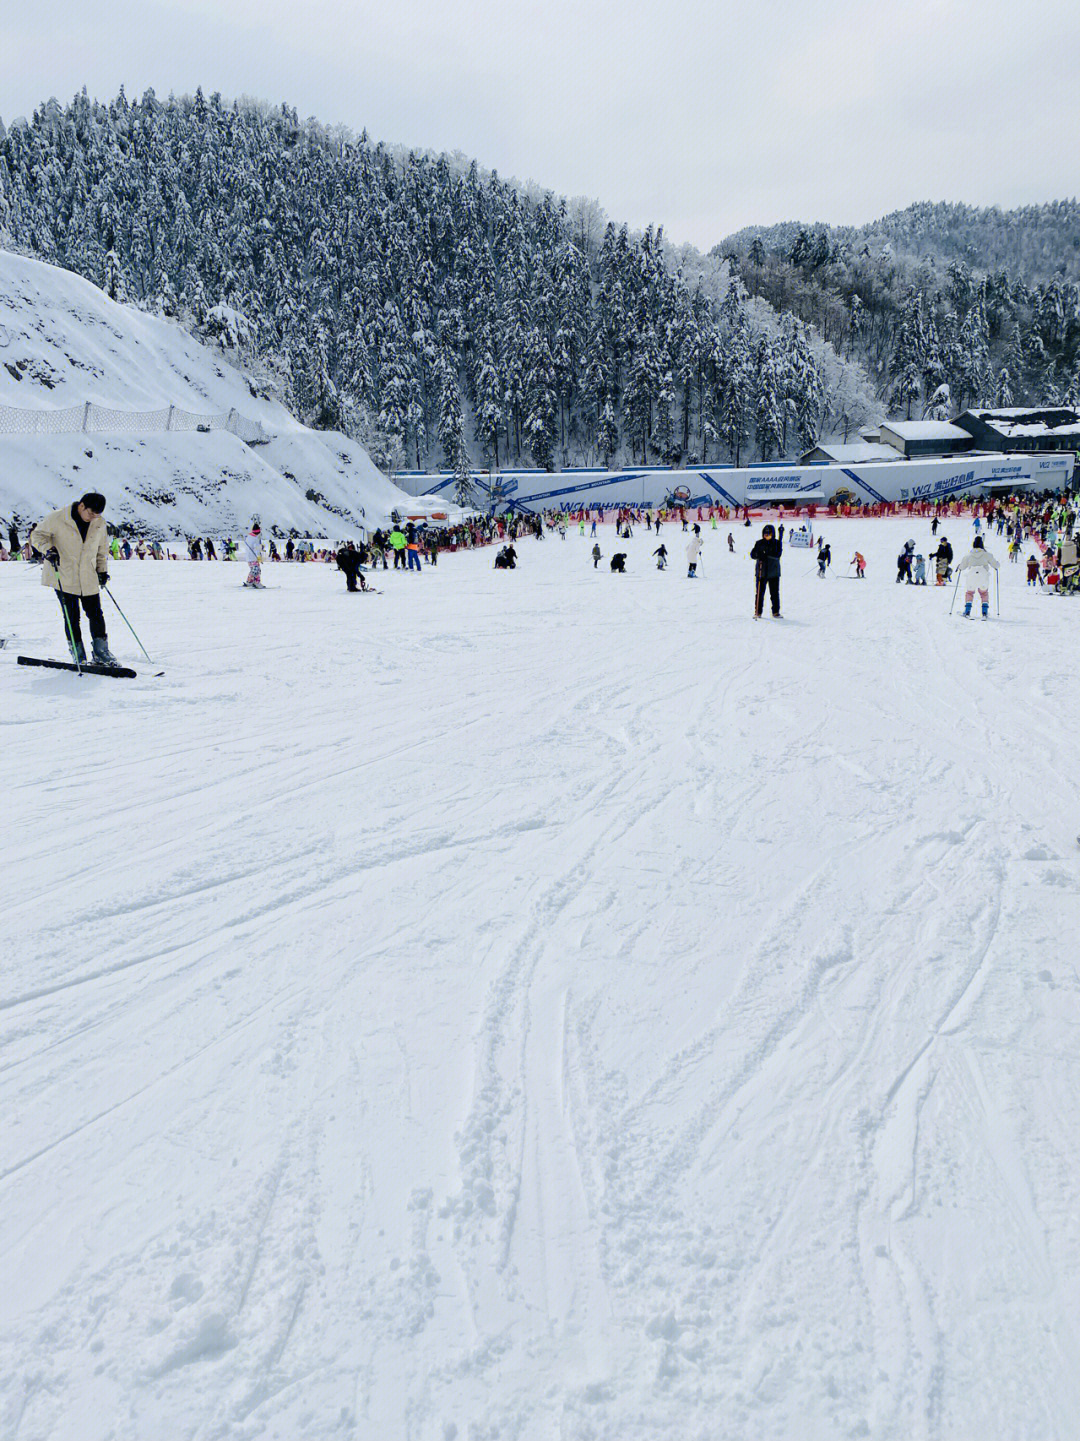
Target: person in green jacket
[(397, 545)]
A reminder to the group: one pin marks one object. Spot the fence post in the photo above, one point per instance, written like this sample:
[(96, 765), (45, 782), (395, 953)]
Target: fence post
[(168, 422), (230, 424), (86, 417)]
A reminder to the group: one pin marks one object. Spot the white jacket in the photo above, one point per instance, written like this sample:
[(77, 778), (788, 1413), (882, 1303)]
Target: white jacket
[(693, 550), (81, 561), (253, 550), (979, 562)]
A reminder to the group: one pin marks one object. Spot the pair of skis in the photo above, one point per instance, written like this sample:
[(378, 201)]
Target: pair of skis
[(117, 672)]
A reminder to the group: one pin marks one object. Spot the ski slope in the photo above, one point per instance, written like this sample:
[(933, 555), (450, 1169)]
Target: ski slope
[(543, 1005)]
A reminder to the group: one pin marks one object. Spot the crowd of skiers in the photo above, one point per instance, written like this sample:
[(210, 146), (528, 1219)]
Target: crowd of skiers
[(75, 549)]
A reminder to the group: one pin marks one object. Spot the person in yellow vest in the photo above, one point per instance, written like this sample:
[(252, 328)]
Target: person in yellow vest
[(75, 545), (397, 545)]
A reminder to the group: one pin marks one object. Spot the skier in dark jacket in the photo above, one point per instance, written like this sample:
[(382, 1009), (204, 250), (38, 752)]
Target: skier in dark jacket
[(943, 557), (348, 562), (766, 557)]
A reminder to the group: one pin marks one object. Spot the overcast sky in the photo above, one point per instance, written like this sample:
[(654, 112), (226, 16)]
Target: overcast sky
[(697, 116)]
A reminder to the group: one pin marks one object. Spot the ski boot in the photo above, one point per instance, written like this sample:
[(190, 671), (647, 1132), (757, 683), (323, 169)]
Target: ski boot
[(78, 652), (102, 654), (986, 611), (967, 610)]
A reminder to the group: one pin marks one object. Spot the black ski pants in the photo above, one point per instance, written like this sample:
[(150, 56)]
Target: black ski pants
[(773, 585), (91, 604)]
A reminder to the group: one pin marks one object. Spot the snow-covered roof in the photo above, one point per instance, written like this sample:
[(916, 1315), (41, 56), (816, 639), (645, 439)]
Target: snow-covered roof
[(925, 430), (855, 452), (1015, 420)]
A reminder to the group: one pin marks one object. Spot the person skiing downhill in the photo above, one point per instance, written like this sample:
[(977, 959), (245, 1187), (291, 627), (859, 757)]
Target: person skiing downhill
[(766, 555), (252, 548), (858, 560), (693, 552), (978, 563), (824, 560), (661, 556), (75, 545)]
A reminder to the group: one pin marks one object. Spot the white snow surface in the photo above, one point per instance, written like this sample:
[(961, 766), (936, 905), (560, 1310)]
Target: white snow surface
[(64, 342), (542, 1004)]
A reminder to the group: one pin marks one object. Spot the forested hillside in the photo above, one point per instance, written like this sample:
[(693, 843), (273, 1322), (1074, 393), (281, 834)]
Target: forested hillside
[(984, 302), (436, 313)]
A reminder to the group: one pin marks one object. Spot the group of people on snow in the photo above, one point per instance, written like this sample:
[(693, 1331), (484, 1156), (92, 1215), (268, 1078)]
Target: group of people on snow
[(75, 548)]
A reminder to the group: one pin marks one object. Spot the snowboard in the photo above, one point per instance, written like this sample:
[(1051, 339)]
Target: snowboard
[(118, 672)]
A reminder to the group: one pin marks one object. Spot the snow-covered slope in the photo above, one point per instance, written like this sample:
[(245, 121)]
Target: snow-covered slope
[(64, 343), (543, 1005)]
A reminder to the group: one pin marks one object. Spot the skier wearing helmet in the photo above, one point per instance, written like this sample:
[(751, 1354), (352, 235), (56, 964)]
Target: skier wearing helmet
[(766, 557)]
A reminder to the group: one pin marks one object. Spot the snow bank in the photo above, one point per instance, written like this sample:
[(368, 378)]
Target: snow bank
[(64, 343)]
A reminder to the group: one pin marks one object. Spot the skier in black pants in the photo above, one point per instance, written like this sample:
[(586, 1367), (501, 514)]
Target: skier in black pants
[(75, 545), (766, 557), (348, 562)]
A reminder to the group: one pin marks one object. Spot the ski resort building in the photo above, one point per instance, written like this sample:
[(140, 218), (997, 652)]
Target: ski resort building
[(817, 483), (916, 439), (1054, 427)]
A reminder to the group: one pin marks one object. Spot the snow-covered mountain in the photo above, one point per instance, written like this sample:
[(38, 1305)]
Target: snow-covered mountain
[(163, 417)]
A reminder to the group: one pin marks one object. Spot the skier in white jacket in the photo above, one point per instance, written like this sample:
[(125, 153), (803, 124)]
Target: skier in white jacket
[(251, 547), (693, 551), (978, 563)]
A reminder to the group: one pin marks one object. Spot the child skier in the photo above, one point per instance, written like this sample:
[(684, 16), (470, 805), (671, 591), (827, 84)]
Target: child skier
[(252, 545), (920, 570), (858, 560), (1034, 576), (978, 563), (693, 551), (661, 556)]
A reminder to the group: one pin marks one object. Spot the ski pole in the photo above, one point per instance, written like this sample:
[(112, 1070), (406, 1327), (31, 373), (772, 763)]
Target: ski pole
[(997, 591), (124, 618), (956, 587), (71, 633)]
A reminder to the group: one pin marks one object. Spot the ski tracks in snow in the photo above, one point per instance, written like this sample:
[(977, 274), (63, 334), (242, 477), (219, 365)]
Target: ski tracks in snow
[(570, 1012)]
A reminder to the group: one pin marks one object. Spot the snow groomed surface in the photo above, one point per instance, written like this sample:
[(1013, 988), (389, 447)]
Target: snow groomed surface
[(543, 1004)]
